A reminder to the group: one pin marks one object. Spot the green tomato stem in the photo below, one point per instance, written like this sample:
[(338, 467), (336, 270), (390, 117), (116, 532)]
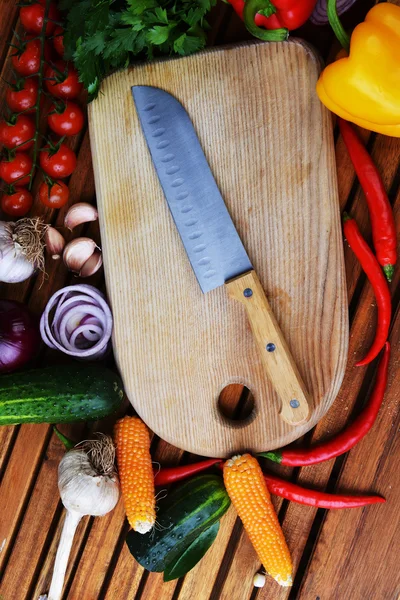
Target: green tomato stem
[(40, 76)]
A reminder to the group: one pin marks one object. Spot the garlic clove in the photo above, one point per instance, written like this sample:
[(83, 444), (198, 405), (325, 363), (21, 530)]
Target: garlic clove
[(79, 213), (77, 252), (92, 265), (55, 242), (259, 580)]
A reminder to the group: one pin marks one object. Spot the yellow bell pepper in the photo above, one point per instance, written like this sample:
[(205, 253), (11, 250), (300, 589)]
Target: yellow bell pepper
[(364, 87)]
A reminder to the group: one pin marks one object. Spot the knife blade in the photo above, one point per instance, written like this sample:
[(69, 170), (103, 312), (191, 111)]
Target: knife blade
[(211, 241), (213, 246)]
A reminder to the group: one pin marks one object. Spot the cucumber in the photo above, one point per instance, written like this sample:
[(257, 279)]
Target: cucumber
[(183, 516), (192, 555), (60, 394)]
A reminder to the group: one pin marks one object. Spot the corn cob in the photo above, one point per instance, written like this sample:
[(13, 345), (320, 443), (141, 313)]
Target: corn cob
[(132, 442), (246, 487)]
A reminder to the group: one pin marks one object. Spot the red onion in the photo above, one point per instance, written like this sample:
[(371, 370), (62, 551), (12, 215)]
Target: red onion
[(77, 320), (320, 17), (19, 336)]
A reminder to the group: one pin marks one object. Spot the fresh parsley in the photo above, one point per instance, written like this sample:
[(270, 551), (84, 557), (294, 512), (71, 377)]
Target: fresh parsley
[(102, 36)]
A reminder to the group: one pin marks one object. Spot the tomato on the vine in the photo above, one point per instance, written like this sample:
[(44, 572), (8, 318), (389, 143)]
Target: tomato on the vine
[(17, 132), (66, 119), (26, 61), (58, 162), (54, 194), (22, 96), (63, 81), (17, 203), (58, 40), (32, 15), (17, 169)]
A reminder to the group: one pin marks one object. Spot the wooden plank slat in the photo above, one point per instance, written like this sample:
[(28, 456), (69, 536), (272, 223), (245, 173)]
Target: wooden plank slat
[(7, 437), (357, 543), (36, 525), (27, 453)]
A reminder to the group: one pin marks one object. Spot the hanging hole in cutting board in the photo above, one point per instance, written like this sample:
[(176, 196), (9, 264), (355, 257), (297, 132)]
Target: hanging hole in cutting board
[(236, 402)]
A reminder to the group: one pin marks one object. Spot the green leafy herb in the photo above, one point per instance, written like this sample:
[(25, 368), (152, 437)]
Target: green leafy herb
[(102, 36)]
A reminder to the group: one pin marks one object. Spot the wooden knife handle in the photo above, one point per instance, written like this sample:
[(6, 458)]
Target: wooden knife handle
[(277, 359)]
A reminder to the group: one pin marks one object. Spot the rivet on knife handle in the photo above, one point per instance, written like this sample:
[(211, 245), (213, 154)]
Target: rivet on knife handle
[(277, 359)]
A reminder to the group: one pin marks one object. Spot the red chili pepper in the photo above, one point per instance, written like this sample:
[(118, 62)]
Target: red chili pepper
[(296, 493), (346, 439), (173, 474), (381, 290), (290, 14), (380, 210)]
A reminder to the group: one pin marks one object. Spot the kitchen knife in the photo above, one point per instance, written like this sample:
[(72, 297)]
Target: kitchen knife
[(211, 241)]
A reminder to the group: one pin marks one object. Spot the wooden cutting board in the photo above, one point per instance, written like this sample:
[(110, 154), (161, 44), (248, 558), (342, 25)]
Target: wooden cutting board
[(269, 143)]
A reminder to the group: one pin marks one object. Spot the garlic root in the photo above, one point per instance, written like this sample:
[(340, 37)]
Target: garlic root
[(21, 249)]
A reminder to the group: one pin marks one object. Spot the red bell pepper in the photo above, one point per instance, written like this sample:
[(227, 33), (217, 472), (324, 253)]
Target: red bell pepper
[(289, 14)]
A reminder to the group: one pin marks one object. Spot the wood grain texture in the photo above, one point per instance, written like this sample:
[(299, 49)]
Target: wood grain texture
[(275, 354), (269, 144)]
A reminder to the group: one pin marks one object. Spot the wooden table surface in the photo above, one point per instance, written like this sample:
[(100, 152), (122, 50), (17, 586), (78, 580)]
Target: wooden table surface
[(338, 555)]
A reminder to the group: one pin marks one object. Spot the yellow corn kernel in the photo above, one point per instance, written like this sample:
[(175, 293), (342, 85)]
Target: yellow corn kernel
[(135, 469), (245, 484)]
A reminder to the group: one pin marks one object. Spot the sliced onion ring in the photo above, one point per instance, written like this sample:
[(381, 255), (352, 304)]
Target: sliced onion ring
[(90, 338)]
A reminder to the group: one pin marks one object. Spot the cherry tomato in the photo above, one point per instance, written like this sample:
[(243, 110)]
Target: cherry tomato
[(58, 40), (17, 169), (27, 60), (68, 86), (58, 164), (18, 203), (54, 196), (67, 122), (32, 16), (15, 135), (22, 98)]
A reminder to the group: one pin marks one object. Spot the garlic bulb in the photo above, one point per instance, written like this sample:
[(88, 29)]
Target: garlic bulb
[(21, 249), (82, 488), (88, 485), (81, 212)]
